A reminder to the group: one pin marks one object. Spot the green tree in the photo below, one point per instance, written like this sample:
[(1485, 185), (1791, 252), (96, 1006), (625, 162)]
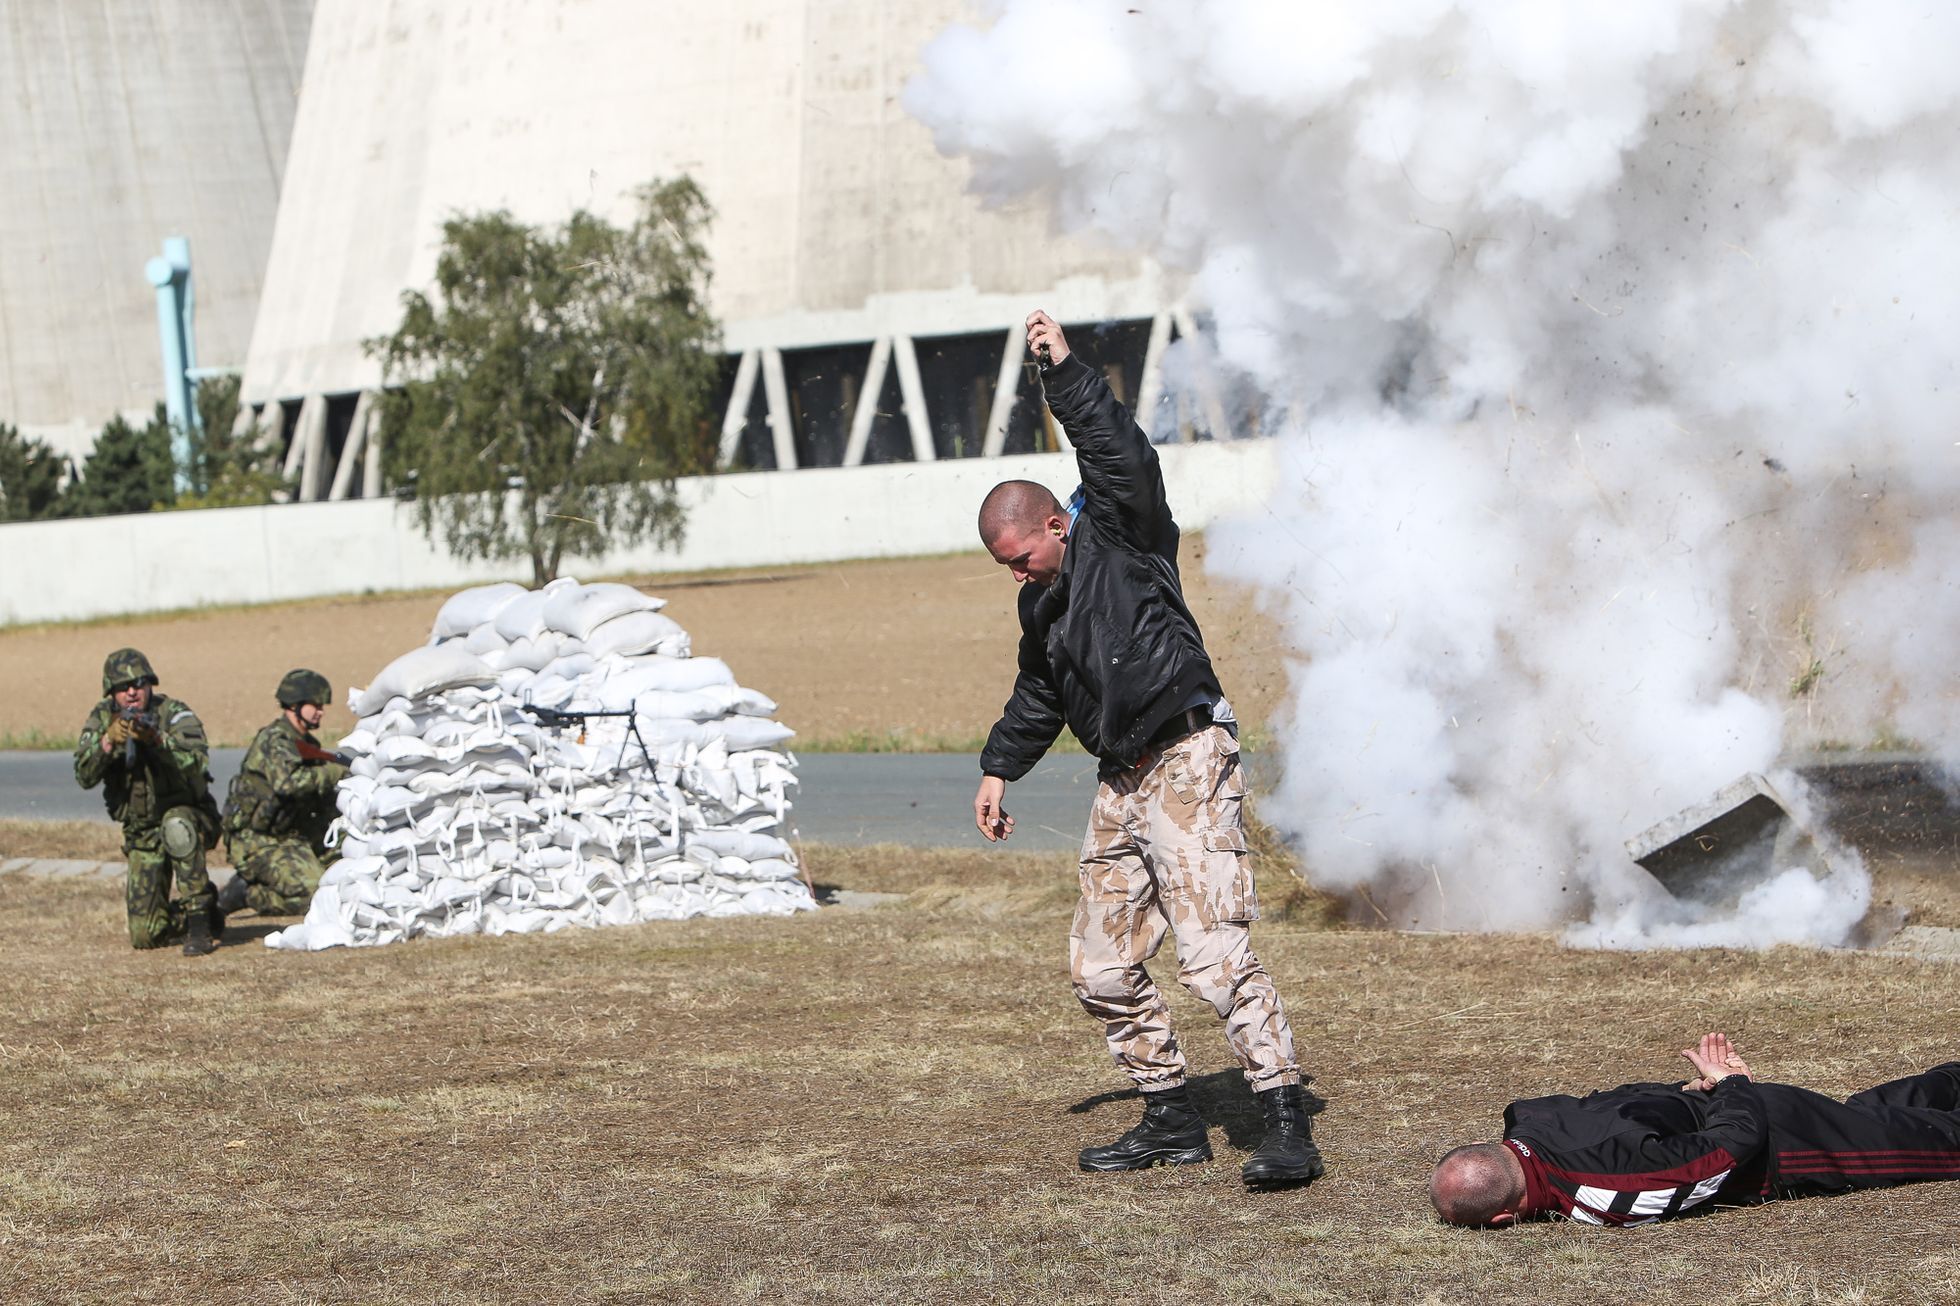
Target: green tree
[(30, 477), (547, 395), (129, 470), (226, 470)]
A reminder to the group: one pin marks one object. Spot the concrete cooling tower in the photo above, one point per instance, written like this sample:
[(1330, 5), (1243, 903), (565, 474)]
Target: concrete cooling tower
[(128, 121), (870, 304)]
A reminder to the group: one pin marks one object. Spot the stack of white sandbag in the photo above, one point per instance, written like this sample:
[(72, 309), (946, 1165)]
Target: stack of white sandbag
[(468, 812)]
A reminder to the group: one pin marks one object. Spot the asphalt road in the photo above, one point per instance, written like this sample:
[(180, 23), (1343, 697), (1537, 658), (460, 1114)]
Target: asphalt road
[(923, 799)]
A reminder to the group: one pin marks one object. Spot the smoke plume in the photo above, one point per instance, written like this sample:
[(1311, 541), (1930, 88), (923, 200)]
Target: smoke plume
[(1613, 348)]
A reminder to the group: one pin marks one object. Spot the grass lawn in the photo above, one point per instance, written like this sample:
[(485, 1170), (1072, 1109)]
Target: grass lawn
[(877, 1105)]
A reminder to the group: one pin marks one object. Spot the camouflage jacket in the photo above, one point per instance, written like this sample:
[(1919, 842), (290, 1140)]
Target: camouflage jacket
[(173, 772), (278, 793)]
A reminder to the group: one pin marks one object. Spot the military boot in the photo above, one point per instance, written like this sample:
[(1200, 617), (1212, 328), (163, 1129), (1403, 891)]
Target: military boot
[(1286, 1155), (198, 940), (1171, 1133), (231, 898)]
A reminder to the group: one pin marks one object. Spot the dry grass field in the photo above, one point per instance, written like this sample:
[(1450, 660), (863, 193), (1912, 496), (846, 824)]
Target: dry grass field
[(874, 1105), (912, 654)]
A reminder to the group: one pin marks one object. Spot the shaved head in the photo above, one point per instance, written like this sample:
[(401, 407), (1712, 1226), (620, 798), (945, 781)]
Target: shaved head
[(1018, 506), (1474, 1185)]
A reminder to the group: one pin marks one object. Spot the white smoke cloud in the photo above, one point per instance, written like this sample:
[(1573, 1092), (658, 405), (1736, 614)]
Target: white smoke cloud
[(1616, 347)]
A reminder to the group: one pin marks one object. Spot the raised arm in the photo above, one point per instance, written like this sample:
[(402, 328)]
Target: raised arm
[(1119, 467)]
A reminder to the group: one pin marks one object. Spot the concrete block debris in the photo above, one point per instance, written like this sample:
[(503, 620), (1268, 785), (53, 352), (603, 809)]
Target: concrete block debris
[(555, 758), (1716, 850)]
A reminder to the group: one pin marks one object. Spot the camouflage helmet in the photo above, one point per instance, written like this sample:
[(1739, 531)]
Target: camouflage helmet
[(124, 668), (303, 686)]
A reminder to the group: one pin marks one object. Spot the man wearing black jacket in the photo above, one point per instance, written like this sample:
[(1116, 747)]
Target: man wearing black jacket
[(1646, 1152), (1109, 648)]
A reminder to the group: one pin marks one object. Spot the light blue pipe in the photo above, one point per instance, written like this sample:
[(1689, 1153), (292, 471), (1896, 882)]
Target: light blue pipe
[(171, 275)]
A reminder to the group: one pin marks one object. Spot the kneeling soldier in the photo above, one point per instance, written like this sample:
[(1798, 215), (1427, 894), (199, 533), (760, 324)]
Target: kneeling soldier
[(149, 754), (280, 804)]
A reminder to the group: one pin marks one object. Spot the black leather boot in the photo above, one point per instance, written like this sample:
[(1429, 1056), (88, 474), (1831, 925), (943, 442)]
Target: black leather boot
[(198, 940), (1286, 1155), (231, 898), (1171, 1133)]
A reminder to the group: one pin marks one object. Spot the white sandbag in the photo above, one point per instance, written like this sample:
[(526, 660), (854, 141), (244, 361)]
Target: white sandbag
[(694, 706), (734, 698), (746, 732), (523, 616), (573, 666), (578, 610), (349, 870), (738, 843), (673, 675), (484, 639), (468, 609), (421, 671), (634, 633), (780, 898), (537, 652), (547, 690), (402, 750)]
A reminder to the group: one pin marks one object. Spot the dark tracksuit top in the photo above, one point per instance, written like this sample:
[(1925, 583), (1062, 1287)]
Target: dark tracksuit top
[(1646, 1152)]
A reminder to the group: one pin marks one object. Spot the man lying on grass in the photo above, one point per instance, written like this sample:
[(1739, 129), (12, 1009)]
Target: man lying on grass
[(1646, 1152)]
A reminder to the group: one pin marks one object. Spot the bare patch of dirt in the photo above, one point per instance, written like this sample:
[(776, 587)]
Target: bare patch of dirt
[(914, 654)]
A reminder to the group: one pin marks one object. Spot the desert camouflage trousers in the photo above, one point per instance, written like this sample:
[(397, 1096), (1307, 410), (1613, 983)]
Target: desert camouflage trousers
[(155, 920), (280, 874), (1166, 851)]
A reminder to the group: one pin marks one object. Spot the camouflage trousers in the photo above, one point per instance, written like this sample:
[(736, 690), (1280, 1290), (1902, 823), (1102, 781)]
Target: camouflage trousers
[(1166, 851), (280, 874), (155, 920)]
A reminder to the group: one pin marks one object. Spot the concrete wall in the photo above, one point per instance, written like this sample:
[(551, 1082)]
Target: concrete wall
[(156, 562), (837, 221), (126, 121)]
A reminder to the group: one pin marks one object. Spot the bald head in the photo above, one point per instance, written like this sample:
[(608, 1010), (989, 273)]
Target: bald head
[(1475, 1185), (1016, 507)]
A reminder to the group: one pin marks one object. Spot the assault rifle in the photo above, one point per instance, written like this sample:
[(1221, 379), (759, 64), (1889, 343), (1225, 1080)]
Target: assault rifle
[(312, 752), (142, 721), (564, 718)]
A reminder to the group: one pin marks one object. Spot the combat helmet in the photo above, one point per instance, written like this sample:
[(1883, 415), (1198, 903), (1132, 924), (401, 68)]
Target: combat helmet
[(303, 686), (124, 668)]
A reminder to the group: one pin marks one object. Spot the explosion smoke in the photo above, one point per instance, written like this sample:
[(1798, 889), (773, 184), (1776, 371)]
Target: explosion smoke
[(1615, 350)]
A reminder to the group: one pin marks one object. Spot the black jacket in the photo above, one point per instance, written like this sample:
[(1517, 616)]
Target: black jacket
[(1110, 648), (1641, 1152)]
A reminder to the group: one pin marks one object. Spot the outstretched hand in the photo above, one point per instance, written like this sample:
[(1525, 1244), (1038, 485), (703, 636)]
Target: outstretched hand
[(1045, 338), (1714, 1060)]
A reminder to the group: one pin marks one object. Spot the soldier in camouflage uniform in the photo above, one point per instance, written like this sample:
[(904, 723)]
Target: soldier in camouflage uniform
[(280, 805), (149, 754)]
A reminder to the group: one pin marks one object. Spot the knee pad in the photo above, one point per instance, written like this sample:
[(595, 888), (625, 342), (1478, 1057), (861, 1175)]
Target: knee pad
[(181, 839)]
